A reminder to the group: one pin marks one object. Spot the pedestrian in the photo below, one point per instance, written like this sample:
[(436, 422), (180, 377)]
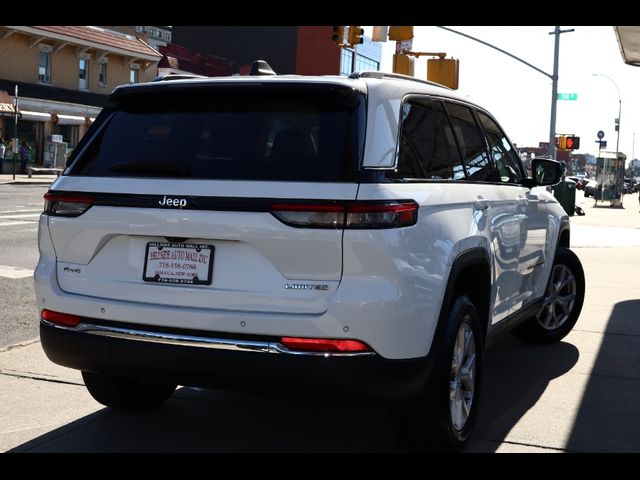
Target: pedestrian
[(2, 150), (25, 156)]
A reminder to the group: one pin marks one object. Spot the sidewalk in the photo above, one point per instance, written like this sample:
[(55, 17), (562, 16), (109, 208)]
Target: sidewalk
[(23, 179)]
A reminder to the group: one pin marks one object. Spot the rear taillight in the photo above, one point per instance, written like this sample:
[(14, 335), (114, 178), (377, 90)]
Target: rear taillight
[(60, 318), (325, 345), (354, 215), (66, 204)]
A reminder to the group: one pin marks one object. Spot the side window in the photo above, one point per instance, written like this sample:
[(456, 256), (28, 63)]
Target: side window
[(472, 144), (503, 154), (427, 145)]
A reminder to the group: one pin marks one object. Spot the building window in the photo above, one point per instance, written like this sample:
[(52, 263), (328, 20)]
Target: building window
[(345, 62), (102, 74), (362, 63), (44, 68), (134, 74), (83, 74)]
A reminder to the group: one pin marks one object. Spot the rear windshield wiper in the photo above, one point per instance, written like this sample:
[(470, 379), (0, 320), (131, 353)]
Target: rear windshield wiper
[(152, 168)]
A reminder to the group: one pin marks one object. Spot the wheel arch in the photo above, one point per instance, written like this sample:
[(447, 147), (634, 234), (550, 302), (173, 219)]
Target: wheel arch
[(564, 238), (470, 275)]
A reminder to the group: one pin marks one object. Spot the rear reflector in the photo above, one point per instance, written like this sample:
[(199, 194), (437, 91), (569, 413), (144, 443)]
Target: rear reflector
[(60, 318), (354, 215), (324, 345), (67, 204)]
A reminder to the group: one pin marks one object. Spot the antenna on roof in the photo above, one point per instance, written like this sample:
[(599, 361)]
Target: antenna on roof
[(261, 67)]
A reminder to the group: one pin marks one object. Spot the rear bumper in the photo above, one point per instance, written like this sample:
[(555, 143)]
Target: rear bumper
[(357, 377)]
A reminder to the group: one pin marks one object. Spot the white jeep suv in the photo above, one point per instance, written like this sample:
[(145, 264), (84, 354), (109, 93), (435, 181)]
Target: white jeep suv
[(363, 236)]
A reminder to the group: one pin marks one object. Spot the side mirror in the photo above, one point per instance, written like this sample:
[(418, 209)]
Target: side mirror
[(545, 172)]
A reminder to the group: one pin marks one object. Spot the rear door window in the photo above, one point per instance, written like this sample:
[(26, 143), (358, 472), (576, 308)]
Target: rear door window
[(252, 132), (472, 144)]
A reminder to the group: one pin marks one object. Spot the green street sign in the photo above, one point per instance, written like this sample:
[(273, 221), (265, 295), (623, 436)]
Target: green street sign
[(567, 96)]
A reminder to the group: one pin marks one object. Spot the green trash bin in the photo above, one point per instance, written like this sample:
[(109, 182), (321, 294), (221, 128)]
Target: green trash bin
[(565, 193)]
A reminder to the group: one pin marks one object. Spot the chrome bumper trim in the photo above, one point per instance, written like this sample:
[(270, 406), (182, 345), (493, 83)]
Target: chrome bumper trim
[(195, 341)]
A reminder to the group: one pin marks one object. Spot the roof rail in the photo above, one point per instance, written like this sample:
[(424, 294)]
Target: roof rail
[(381, 75), (177, 76)]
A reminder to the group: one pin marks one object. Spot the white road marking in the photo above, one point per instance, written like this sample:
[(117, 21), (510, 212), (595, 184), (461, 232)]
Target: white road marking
[(22, 215), (18, 222), (15, 272), (21, 211)]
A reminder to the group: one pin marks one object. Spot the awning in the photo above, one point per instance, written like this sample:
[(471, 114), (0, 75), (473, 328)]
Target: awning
[(70, 120), (629, 43), (35, 116)]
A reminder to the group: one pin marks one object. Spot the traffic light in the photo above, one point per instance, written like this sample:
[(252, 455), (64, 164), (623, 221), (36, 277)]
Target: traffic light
[(338, 35), (444, 71), (403, 64), (400, 33), (572, 143), (380, 34), (567, 142), (355, 35)]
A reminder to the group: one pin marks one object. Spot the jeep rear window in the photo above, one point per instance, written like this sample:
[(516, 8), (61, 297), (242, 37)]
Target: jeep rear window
[(247, 132)]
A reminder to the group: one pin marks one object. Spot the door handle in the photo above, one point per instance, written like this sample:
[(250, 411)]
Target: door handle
[(481, 203)]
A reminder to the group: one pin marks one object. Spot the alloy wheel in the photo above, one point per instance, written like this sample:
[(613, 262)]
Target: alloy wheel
[(462, 376), (559, 298)]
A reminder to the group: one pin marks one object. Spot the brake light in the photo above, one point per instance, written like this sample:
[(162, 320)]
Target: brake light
[(60, 318), (352, 215), (325, 345), (65, 204)]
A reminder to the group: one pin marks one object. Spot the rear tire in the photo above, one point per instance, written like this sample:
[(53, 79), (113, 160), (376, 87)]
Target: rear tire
[(563, 301), (441, 418), (127, 393)]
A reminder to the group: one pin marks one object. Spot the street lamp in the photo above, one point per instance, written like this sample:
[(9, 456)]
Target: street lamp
[(619, 113)]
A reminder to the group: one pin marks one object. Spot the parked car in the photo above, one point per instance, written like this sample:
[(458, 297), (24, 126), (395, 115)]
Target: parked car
[(359, 237)]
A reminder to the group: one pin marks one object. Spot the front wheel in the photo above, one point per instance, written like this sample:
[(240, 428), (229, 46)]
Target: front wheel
[(441, 418), (126, 393), (562, 304)]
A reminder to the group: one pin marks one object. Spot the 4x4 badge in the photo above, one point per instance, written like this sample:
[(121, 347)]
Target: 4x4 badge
[(173, 202)]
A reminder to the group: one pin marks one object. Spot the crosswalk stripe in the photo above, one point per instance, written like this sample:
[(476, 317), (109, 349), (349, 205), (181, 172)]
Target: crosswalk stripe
[(15, 272), (33, 210), (17, 222), (22, 215)]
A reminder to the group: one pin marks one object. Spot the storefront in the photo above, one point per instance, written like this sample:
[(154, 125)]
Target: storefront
[(39, 119)]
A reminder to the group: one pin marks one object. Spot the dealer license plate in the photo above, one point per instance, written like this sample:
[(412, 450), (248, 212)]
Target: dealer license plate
[(185, 263)]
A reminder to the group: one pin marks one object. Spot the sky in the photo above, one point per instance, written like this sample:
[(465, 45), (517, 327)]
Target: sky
[(520, 97)]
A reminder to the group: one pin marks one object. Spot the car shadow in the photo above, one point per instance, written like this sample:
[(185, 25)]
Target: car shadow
[(196, 421), (516, 374), (608, 418)]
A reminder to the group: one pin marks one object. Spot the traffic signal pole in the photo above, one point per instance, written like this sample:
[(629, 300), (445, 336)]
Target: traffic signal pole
[(554, 77), (554, 93)]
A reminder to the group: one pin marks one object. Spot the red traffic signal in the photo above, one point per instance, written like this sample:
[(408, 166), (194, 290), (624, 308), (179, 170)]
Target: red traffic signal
[(572, 143)]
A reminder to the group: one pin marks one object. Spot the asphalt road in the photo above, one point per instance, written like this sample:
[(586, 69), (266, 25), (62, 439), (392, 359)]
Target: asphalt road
[(20, 207)]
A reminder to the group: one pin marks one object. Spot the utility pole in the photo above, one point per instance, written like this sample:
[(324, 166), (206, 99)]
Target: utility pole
[(554, 90), (15, 131)]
